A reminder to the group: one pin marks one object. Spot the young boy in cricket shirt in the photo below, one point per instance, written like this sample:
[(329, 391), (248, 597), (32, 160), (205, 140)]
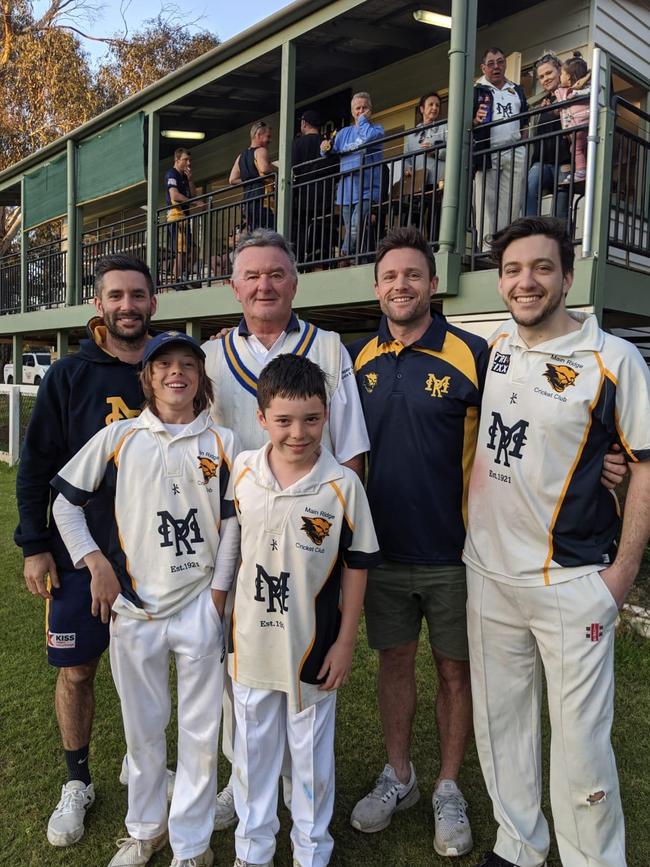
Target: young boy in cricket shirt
[(307, 542), (163, 581)]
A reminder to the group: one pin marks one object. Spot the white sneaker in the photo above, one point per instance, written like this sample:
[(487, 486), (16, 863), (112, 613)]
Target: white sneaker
[(375, 811), (453, 835), (225, 815), (137, 853), (66, 824), (206, 859), (124, 777)]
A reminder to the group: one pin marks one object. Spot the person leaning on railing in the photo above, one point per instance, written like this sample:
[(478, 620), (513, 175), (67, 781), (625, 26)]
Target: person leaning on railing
[(250, 166), (555, 160), (353, 191)]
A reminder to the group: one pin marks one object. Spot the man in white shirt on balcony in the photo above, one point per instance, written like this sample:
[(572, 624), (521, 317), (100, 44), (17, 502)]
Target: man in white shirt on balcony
[(500, 174)]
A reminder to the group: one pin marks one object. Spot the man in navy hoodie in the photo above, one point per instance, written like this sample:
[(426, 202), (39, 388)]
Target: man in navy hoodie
[(80, 394)]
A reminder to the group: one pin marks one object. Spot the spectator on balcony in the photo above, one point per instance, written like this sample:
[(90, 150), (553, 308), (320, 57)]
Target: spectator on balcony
[(551, 157), (249, 168), (575, 80), (312, 232), (499, 178), (179, 190), (360, 184), (432, 163)]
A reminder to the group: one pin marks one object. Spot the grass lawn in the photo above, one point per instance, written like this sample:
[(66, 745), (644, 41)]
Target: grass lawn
[(32, 768)]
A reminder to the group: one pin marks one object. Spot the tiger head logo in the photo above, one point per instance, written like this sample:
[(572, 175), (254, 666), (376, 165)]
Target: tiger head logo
[(560, 376), (316, 528), (208, 468), (369, 382)]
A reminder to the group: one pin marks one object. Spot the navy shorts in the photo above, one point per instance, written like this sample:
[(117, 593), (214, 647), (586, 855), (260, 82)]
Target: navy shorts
[(74, 636)]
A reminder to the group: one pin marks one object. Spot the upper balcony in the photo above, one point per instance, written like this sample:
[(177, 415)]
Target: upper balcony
[(100, 190)]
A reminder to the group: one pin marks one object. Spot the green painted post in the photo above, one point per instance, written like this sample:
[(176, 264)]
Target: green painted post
[(61, 343), (193, 328), (72, 287), (23, 251), (461, 79), (153, 182), (287, 112)]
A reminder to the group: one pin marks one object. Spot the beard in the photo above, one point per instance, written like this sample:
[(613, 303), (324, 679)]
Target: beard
[(131, 337), (547, 311)]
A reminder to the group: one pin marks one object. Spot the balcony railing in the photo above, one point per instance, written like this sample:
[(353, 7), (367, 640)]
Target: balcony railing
[(124, 236), (195, 242), (629, 231), (343, 214), (399, 186), (10, 283), (533, 176), (46, 269)]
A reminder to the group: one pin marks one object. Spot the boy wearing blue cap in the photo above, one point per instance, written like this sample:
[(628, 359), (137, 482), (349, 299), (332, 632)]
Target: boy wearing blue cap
[(163, 581)]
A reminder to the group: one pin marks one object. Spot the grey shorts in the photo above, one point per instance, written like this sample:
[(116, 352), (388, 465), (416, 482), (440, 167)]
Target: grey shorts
[(399, 595)]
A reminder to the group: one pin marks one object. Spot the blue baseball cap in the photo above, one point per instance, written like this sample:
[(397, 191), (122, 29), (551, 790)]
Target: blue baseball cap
[(170, 338)]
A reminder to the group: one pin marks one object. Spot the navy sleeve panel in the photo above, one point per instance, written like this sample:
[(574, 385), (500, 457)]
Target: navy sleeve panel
[(227, 507), (76, 496), (587, 522), (362, 559), (643, 455), (41, 457)]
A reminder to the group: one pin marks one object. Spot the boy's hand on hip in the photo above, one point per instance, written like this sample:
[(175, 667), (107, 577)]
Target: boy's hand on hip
[(104, 586), (337, 666)]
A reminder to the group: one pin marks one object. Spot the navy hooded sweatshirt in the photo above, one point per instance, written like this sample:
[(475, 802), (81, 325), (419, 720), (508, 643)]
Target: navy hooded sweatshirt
[(79, 395)]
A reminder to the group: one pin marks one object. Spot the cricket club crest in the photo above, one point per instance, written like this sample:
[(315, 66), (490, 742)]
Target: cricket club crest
[(560, 376), (369, 382), (209, 469), (316, 528)]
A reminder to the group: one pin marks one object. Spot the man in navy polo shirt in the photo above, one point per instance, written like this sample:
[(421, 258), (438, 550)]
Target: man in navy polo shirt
[(420, 381), (179, 189)]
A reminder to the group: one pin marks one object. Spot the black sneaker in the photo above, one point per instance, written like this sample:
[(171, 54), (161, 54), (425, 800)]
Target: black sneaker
[(491, 859)]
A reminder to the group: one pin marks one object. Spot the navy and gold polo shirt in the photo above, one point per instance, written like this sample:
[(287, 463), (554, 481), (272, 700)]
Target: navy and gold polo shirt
[(421, 404)]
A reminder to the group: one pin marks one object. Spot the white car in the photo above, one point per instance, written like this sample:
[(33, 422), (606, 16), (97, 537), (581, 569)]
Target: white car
[(35, 366)]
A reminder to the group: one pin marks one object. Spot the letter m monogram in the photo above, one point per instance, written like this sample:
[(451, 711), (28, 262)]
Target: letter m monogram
[(179, 531), (511, 440)]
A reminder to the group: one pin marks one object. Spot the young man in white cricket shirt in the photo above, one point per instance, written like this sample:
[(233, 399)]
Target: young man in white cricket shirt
[(545, 576), (307, 542), (162, 579)]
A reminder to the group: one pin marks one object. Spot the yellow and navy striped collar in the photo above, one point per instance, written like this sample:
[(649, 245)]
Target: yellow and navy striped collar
[(433, 337), (244, 376)]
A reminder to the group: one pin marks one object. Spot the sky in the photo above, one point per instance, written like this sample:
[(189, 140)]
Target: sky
[(223, 17)]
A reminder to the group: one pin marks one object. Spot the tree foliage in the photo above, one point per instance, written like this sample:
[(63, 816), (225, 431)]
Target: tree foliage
[(162, 46), (47, 85)]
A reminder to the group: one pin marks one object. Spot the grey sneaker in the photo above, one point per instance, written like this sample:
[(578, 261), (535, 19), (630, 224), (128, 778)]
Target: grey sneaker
[(137, 853), (239, 862), (124, 777), (206, 859), (225, 816), (375, 811), (66, 824), (453, 835)]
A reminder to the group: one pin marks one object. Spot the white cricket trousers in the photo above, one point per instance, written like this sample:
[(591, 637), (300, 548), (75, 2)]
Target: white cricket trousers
[(494, 208), (569, 629), (140, 651), (263, 726)]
